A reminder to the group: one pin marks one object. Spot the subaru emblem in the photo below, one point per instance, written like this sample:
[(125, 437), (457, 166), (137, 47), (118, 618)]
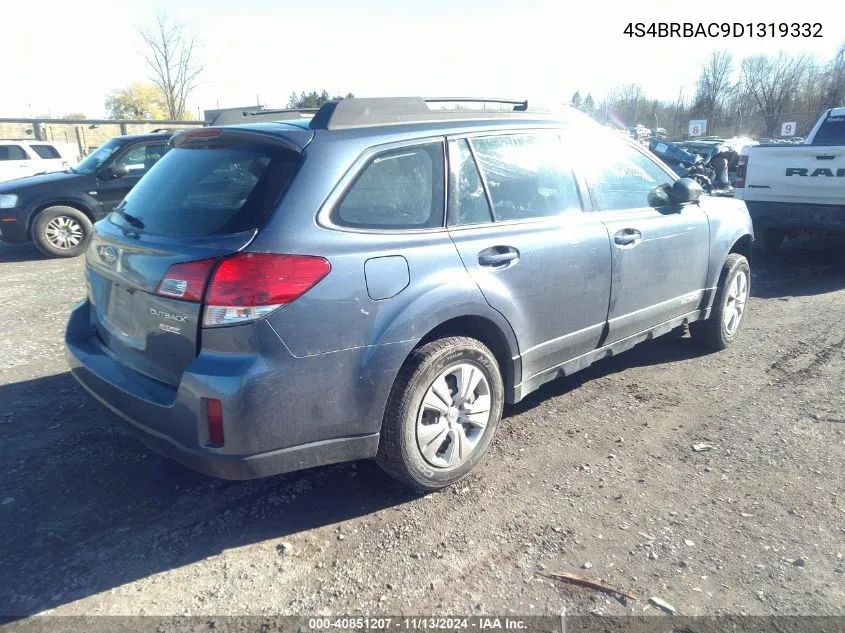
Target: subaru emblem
[(108, 254)]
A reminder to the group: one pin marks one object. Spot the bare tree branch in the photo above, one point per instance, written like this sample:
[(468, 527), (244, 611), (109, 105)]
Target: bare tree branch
[(714, 83), (170, 57), (772, 83)]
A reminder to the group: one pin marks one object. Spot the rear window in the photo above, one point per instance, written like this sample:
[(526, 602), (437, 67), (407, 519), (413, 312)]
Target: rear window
[(45, 151), (831, 131), (208, 190), (398, 189)]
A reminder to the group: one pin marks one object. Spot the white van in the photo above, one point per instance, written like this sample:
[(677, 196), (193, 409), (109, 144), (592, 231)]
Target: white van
[(27, 158)]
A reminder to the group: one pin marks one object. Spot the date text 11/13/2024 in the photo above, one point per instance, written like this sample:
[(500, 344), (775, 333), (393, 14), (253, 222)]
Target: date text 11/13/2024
[(723, 29)]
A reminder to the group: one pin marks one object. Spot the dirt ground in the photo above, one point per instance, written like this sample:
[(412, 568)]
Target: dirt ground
[(594, 475)]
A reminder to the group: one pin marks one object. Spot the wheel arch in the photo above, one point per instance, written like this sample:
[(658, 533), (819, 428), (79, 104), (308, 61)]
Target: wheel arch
[(743, 246), (491, 335)]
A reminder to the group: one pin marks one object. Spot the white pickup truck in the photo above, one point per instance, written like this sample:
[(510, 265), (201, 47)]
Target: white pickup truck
[(791, 189)]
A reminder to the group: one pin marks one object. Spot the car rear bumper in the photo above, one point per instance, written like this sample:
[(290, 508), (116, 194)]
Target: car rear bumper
[(172, 421), (783, 215)]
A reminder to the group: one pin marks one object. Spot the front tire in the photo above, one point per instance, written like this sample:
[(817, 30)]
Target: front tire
[(727, 315), (62, 231), (442, 414)]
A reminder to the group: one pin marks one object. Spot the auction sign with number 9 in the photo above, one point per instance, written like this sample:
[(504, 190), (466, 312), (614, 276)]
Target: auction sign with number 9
[(788, 129)]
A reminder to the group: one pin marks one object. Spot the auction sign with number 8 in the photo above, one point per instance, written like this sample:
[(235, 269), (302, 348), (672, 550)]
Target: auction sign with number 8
[(697, 128)]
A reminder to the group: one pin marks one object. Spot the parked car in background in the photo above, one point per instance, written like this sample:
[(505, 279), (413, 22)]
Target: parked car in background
[(378, 279), (57, 210), (19, 159), (796, 188)]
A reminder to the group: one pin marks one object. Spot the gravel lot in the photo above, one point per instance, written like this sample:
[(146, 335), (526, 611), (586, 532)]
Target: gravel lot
[(593, 475)]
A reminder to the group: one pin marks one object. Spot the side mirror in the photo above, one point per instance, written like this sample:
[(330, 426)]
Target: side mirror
[(115, 171), (684, 191)]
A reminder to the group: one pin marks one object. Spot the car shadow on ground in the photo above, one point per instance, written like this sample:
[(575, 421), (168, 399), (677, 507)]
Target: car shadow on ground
[(804, 266), (84, 508), (26, 252), (663, 350)]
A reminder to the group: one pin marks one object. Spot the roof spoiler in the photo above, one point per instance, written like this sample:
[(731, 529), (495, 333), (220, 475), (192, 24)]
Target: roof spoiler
[(228, 117), (295, 141)]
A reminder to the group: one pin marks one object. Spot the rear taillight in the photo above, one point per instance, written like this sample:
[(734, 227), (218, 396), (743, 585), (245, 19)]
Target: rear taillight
[(248, 286), (740, 172), (186, 281)]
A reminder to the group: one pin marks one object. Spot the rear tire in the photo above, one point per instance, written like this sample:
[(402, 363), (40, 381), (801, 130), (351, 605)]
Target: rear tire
[(62, 231), (433, 433), (728, 313), (768, 241)]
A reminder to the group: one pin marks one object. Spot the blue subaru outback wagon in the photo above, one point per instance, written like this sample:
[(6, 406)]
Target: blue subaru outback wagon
[(377, 278)]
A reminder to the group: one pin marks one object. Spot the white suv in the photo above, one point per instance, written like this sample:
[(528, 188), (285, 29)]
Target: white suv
[(27, 158)]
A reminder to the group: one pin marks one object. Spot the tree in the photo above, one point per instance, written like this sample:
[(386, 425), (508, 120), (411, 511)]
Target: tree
[(833, 92), (772, 82), (714, 83), (588, 105), (170, 57), (313, 99), (627, 99), (576, 101), (138, 101)]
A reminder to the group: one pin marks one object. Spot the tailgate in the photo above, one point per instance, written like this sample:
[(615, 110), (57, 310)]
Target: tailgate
[(155, 335), (149, 261), (801, 174)]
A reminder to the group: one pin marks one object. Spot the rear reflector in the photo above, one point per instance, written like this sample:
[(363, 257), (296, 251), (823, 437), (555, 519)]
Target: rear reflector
[(248, 286), (215, 422), (186, 281)]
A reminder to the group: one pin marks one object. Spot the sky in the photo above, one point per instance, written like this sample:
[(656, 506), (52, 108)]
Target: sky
[(72, 54)]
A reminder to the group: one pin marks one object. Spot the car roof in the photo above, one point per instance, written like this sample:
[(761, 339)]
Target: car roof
[(382, 120)]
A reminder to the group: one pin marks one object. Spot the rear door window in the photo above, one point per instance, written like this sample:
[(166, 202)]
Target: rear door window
[(12, 152), (527, 176), (140, 158), (206, 190), (46, 151), (397, 189), (468, 203)]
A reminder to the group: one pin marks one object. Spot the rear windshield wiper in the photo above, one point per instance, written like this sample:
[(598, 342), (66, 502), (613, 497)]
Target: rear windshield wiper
[(130, 219)]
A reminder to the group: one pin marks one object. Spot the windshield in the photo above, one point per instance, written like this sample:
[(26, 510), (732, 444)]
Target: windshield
[(97, 158)]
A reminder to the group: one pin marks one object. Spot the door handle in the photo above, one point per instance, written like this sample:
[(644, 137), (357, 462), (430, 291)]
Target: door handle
[(826, 156), (627, 237), (487, 258)]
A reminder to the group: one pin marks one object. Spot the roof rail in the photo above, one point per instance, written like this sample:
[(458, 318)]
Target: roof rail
[(260, 116), (356, 112)]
